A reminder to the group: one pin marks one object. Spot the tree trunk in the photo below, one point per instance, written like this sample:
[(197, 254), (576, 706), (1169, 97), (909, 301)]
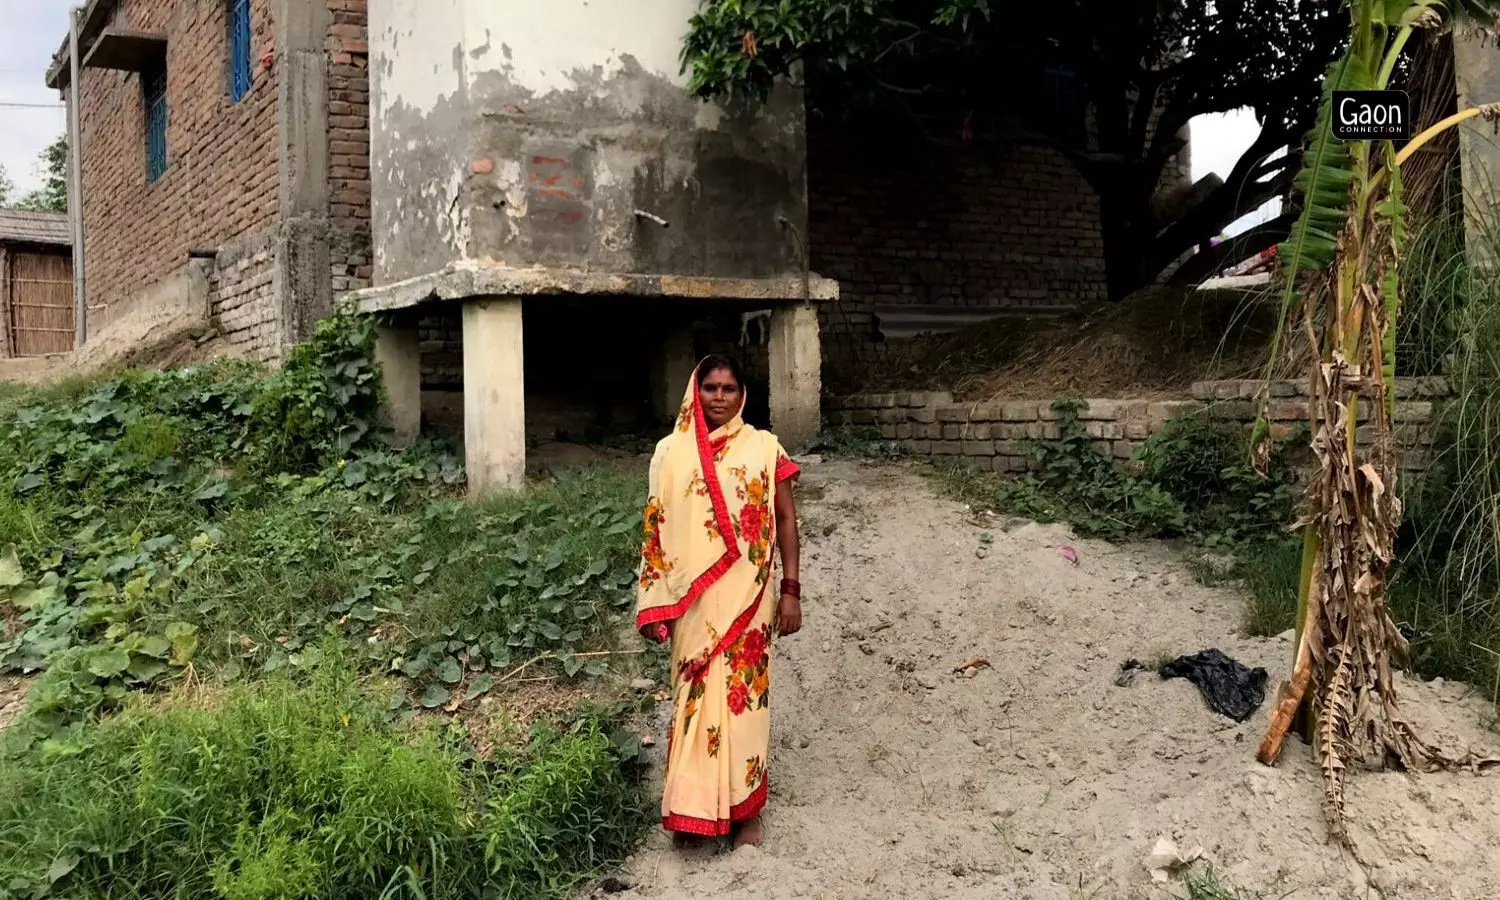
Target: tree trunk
[(1126, 227)]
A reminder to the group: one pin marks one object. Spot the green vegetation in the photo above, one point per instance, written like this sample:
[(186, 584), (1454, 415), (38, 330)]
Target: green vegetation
[(1206, 884), (211, 515), (1446, 592), (302, 787), (1192, 482), (207, 565)]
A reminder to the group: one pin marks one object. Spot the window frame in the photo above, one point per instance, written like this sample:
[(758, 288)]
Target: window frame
[(241, 36), (154, 102)]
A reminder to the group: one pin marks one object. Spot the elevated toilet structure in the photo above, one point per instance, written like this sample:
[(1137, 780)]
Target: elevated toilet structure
[(522, 153)]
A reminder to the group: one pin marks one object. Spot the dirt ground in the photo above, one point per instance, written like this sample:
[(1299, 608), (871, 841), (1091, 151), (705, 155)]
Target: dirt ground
[(891, 776)]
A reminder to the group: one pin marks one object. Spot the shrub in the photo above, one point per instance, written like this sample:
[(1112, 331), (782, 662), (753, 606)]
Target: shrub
[(302, 789), (220, 516)]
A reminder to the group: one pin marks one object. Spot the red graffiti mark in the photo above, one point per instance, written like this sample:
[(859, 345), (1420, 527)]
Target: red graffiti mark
[(576, 182), (551, 180), (557, 194), (548, 161), (570, 215)]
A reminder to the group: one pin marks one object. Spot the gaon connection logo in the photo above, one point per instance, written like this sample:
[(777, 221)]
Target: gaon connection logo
[(1371, 116)]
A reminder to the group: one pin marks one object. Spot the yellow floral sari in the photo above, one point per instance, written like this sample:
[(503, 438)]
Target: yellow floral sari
[(710, 542)]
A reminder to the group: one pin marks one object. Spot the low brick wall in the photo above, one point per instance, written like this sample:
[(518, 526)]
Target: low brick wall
[(997, 435)]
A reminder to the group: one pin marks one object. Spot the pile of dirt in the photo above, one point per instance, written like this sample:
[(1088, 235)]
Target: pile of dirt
[(1154, 344), (158, 345), (1037, 775)]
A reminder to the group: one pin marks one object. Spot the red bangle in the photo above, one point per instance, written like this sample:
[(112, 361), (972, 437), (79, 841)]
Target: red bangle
[(788, 586)]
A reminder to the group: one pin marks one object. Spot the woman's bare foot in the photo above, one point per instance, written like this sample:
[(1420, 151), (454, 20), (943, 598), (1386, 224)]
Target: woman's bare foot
[(749, 833)]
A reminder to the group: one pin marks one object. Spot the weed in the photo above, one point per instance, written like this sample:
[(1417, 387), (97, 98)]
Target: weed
[(1207, 884), (1191, 482), (299, 786), (218, 516), (1271, 575), (859, 443), (1160, 659)]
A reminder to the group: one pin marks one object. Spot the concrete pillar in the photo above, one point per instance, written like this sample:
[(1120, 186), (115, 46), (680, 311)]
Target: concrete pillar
[(796, 376), (1476, 69), (670, 370), (303, 275), (494, 395), (398, 350)]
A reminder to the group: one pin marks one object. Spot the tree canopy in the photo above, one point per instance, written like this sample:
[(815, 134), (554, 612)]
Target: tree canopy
[(52, 196), (1143, 69)]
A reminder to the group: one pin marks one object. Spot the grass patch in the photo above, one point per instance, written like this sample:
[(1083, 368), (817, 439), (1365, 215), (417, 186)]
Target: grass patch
[(858, 442), (304, 787), (1271, 572), (1207, 884)]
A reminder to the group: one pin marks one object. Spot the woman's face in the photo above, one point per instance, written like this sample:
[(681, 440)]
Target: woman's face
[(720, 395)]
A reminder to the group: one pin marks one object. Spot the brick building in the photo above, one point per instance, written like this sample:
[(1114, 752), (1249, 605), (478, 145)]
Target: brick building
[(234, 132)]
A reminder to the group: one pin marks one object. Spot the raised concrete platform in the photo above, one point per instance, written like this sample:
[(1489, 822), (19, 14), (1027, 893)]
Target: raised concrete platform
[(492, 296), (472, 279)]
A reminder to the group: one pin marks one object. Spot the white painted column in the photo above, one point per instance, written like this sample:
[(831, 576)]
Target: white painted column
[(494, 395), (796, 376), (398, 350), (1476, 69)]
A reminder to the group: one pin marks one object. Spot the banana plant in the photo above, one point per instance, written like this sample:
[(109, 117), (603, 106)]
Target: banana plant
[(1341, 294)]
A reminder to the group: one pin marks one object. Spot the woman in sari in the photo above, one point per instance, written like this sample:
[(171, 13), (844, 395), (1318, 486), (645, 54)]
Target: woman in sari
[(718, 509)]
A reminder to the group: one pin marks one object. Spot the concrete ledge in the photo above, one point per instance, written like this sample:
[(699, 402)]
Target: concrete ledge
[(470, 279)]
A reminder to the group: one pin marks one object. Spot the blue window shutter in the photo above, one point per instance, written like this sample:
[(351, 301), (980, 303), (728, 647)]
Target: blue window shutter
[(155, 84), (240, 74)]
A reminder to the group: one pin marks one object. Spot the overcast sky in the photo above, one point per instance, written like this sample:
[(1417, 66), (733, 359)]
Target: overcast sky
[(30, 30)]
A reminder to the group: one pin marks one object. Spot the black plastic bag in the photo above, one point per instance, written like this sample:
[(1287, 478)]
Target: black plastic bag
[(1229, 688)]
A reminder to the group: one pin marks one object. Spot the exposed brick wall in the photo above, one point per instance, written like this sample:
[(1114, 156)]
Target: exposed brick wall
[(904, 222), (242, 287), (221, 177), (996, 435), (349, 144)]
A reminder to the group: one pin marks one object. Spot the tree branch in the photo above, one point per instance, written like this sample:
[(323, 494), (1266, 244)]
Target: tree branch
[(1207, 263), (1221, 208)]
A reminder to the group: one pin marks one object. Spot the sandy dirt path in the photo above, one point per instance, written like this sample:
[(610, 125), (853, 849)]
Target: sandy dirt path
[(1039, 777)]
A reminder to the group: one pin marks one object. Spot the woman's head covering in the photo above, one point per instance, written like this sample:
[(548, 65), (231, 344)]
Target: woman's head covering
[(690, 416), (709, 509)]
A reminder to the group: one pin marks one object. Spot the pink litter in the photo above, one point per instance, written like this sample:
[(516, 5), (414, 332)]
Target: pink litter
[(1068, 553)]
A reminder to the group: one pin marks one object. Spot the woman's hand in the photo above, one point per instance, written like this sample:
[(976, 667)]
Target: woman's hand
[(788, 615)]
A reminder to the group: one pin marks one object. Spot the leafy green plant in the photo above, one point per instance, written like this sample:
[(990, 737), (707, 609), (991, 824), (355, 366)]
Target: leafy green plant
[(858, 442), (164, 500), (1075, 481), (300, 786), (545, 826), (1201, 464)]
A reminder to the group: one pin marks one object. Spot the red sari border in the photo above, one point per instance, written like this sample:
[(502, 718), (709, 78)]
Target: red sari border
[(748, 808)]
